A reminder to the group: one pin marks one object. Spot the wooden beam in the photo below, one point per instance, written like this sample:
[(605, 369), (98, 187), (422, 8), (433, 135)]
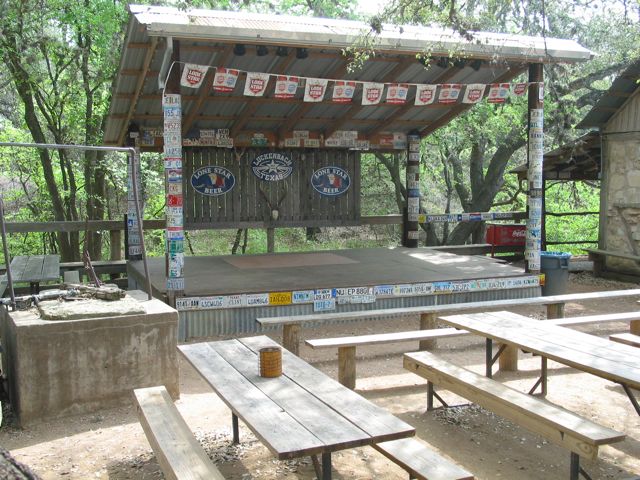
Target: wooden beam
[(139, 85), (254, 102), (442, 78), (205, 90), (132, 72), (337, 72), (399, 68), (463, 107)]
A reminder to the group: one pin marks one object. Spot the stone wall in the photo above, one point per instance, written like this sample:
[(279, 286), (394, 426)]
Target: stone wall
[(622, 190)]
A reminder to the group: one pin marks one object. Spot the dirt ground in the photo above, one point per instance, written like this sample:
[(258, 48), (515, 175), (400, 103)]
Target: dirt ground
[(112, 445)]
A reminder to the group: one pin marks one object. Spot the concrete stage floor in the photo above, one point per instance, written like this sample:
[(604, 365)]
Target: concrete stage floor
[(234, 274)]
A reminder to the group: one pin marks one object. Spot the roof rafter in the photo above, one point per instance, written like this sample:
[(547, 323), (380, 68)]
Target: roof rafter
[(139, 85)]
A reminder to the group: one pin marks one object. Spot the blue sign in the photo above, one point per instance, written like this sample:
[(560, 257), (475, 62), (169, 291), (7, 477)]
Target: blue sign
[(272, 166), (330, 181), (212, 180)]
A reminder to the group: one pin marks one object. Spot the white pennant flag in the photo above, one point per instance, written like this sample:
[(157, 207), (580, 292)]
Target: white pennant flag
[(498, 92), (193, 75), (519, 89), (343, 91), (397, 93), (314, 89), (449, 93), (474, 93), (425, 94), (256, 84), (225, 79), (286, 86), (372, 93)]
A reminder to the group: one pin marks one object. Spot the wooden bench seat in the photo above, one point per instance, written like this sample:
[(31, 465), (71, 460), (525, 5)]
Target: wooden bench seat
[(626, 338), (178, 452), (420, 461), (428, 313), (347, 345), (580, 436)]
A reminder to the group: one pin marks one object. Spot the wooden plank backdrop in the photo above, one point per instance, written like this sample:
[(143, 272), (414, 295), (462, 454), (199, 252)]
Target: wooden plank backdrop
[(299, 205)]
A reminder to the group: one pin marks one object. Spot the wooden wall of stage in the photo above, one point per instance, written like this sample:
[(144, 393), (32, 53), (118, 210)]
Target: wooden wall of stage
[(253, 200)]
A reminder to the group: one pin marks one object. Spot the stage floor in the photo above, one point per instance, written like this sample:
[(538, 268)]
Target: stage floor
[(238, 274)]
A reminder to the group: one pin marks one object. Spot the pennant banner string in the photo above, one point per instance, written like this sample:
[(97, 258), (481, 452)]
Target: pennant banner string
[(372, 92)]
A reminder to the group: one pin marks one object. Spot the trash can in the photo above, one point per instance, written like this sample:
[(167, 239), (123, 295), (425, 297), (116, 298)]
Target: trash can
[(555, 266)]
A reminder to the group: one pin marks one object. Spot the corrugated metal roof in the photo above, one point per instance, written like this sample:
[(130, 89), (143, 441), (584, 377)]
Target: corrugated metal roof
[(622, 88), (292, 30), (207, 37)]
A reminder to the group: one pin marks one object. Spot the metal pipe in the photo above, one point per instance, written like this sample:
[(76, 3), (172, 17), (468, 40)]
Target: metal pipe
[(7, 259), (131, 151)]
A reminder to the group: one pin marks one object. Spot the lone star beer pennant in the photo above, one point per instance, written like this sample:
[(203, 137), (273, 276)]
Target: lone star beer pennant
[(449, 93), (498, 92), (225, 79), (193, 75), (397, 93), (519, 89), (372, 93), (256, 84), (286, 86), (473, 93), (343, 91), (425, 94), (314, 89)]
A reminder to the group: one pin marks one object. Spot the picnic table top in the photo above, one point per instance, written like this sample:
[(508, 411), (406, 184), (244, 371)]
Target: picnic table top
[(302, 412), (35, 268), (589, 353)]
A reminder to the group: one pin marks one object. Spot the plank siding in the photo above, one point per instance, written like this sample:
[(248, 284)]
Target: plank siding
[(301, 206)]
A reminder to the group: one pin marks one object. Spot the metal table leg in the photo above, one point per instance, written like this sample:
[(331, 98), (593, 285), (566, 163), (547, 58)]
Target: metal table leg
[(236, 429), (326, 466)]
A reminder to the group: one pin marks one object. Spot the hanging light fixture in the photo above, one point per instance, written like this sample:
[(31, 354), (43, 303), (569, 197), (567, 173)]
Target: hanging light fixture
[(239, 50), (282, 51), (301, 53), (476, 64), (262, 50)]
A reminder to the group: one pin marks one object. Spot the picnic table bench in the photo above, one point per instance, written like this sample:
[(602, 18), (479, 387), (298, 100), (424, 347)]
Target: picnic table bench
[(626, 338), (555, 309), (179, 454), (32, 269), (347, 345), (598, 257), (579, 435)]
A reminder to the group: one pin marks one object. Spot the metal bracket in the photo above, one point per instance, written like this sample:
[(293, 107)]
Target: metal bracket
[(542, 381), (575, 469), (490, 358), (431, 392), (166, 62)]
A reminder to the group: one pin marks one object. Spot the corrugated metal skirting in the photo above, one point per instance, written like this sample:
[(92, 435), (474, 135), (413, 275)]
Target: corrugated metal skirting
[(210, 323)]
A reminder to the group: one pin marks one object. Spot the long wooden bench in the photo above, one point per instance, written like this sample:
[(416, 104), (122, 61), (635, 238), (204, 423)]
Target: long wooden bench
[(626, 338), (347, 345), (178, 452), (579, 435), (420, 461), (555, 309)]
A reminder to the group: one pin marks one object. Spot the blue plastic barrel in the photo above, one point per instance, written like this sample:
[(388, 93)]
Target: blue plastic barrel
[(555, 266)]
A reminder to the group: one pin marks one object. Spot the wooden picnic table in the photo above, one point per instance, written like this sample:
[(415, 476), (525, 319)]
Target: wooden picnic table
[(34, 269), (599, 356), (302, 412)]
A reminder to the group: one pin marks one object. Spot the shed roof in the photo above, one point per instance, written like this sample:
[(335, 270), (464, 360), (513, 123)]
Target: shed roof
[(576, 160), (207, 37), (620, 91)]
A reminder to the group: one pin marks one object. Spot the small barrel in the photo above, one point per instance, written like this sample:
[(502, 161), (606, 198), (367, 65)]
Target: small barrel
[(270, 362)]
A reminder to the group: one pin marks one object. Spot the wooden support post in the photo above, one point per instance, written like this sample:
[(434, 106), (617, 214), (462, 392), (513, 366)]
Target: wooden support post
[(271, 240), (508, 360), (411, 226), (555, 310), (291, 337), (428, 321), (115, 240), (634, 327), (347, 366), (535, 154)]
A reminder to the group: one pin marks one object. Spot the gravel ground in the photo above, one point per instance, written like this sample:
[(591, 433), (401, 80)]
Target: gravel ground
[(111, 444)]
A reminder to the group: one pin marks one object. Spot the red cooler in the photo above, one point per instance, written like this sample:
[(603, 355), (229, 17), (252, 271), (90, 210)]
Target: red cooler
[(499, 235)]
